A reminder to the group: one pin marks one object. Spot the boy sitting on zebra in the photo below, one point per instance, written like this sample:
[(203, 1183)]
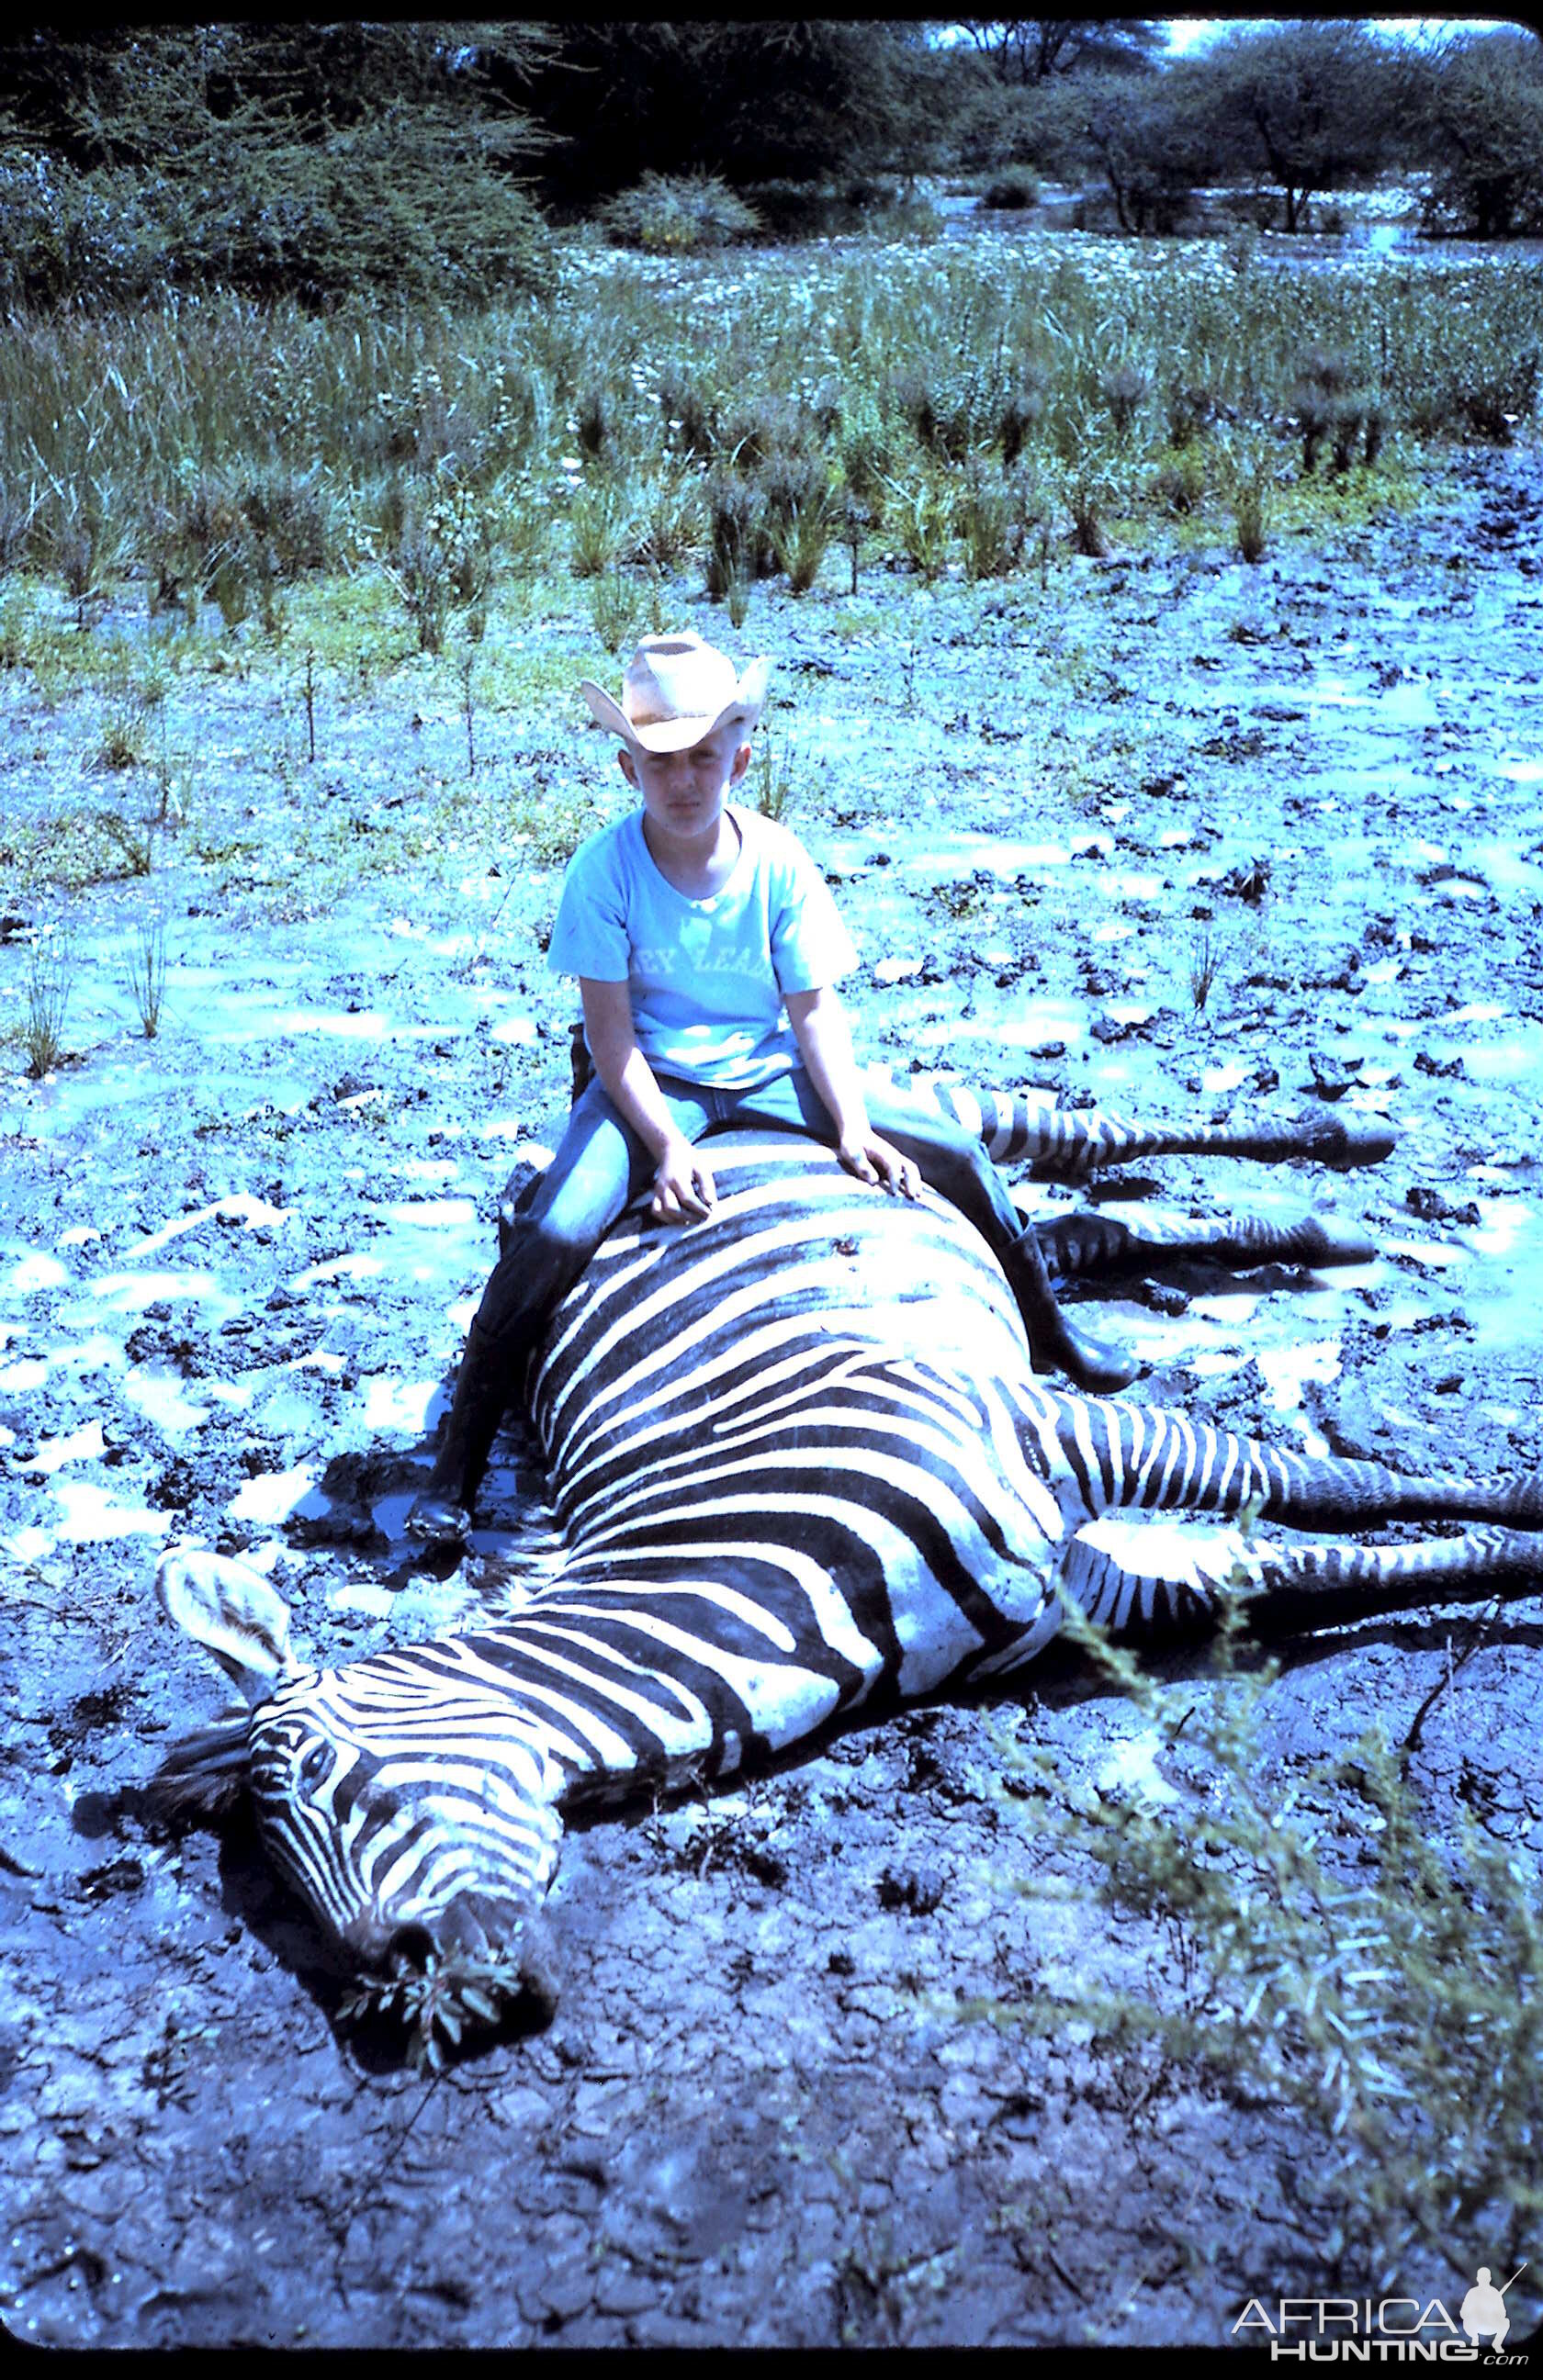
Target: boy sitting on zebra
[(694, 926)]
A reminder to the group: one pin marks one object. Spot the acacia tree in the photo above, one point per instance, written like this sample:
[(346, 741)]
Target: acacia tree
[(1306, 105), (1482, 135), (1154, 141), (266, 158), (749, 101), (1032, 49)]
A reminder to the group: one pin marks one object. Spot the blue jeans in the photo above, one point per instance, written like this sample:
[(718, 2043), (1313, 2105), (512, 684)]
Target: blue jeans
[(600, 1165)]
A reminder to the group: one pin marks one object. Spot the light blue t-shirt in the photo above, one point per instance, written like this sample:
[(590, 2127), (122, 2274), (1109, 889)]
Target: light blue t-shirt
[(706, 977)]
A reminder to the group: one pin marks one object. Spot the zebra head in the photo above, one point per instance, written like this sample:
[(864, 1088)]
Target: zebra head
[(405, 1800), (410, 1811)]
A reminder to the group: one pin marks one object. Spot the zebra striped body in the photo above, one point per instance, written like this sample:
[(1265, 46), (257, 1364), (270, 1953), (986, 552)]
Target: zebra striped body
[(799, 1463)]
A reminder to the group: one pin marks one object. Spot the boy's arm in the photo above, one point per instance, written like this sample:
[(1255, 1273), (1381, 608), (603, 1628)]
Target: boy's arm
[(818, 1022), (681, 1184)]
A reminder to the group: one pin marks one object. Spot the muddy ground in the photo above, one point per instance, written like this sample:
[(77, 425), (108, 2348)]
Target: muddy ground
[(236, 1263)]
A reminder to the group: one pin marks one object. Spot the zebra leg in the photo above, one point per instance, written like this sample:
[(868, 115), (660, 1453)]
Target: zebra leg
[(1105, 1457), (1152, 1574), (1076, 1245), (1068, 1144)]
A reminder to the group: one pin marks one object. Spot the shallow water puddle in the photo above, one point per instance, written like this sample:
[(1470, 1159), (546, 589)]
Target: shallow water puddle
[(129, 1292), (1286, 1370), (1507, 872), (76, 1446), (160, 1397), (91, 1515), (276, 1496), (236, 1208), (32, 1274)]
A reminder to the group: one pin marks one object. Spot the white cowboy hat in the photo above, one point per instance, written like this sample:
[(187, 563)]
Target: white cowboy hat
[(675, 690)]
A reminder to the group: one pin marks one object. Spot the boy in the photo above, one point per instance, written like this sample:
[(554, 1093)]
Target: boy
[(691, 925)]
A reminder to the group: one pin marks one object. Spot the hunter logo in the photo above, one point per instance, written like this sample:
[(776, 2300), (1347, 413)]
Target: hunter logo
[(1363, 2330)]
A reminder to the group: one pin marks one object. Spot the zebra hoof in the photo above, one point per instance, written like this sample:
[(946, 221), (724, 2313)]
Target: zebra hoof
[(1090, 1363), (1327, 1240), (438, 1520)]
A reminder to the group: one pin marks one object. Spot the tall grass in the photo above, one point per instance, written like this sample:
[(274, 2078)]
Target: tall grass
[(109, 422)]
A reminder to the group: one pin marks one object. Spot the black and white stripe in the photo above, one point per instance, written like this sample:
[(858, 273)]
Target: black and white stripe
[(798, 1462)]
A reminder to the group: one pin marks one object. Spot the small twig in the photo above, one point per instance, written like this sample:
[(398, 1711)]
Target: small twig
[(1443, 1685)]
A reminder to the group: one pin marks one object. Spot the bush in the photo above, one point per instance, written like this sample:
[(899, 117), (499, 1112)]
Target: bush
[(739, 544), (1366, 1973), (1018, 188), (690, 416), (676, 214), (771, 426), (409, 207), (1486, 141)]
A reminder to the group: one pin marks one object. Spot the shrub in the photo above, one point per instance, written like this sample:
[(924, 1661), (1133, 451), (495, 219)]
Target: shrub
[(690, 416), (770, 426), (602, 524), (920, 514), (671, 523), (1179, 482), (994, 512), (800, 542), (145, 976), (50, 977), (1191, 411), (865, 449), (1374, 1977), (592, 426), (956, 405), (1022, 411), (1018, 187), (1249, 480), (739, 542), (774, 771), (672, 213), (1125, 391), (613, 608), (295, 515), (441, 554)]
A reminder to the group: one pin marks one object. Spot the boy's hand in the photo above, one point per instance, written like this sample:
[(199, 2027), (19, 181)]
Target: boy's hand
[(873, 1159), (683, 1189)]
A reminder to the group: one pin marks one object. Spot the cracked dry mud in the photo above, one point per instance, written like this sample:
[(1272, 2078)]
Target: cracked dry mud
[(235, 1264)]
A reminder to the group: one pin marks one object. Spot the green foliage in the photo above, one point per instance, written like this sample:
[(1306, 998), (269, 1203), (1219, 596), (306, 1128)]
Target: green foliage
[(775, 770), (1482, 138), (49, 976), (1249, 481), (1309, 106), (994, 512), (1379, 1977), (312, 161), (438, 2008), (603, 524), (676, 214), (1015, 189), (921, 512), (750, 101), (739, 544), (440, 555), (145, 976), (614, 608)]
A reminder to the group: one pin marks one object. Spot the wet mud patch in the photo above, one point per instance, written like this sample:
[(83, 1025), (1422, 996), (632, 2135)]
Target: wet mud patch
[(782, 2099)]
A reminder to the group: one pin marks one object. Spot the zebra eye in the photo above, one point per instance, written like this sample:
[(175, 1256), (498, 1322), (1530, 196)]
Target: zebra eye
[(313, 1768)]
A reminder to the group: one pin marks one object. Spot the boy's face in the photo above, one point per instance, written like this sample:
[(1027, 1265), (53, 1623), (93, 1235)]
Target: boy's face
[(684, 792)]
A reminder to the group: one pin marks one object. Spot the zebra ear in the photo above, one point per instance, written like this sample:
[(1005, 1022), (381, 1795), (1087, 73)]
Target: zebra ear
[(231, 1610)]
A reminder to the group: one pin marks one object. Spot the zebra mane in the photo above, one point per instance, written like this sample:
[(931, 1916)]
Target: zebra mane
[(204, 1776)]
